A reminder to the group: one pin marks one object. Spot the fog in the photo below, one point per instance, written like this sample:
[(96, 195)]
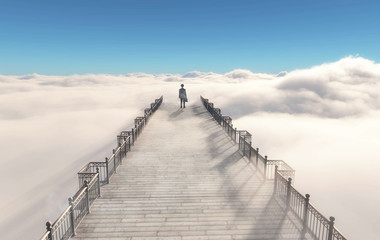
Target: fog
[(323, 121)]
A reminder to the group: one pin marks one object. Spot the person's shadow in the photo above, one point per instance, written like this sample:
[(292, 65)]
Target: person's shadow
[(176, 113)]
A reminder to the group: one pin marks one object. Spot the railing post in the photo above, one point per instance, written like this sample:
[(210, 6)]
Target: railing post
[(239, 142), (125, 148), (72, 215), (235, 135), (250, 150), (288, 192), (305, 212), (120, 153), (133, 135), (331, 228), (275, 179), (243, 146), (48, 228), (265, 167), (108, 177), (87, 197), (114, 160), (257, 156), (97, 170)]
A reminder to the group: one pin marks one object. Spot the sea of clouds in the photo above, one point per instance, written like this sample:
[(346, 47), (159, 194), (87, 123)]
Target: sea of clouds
[(323, 121)]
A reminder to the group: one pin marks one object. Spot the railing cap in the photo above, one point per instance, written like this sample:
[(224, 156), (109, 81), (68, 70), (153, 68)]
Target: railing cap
[(48, 225), (290, 180)]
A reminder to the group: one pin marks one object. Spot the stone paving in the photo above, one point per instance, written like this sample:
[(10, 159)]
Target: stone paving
[(184, 180)]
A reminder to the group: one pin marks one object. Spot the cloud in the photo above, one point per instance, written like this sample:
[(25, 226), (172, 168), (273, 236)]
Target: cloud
[(348, 87), (39, 114), (194, 74), (240, 73), (339, 89), (202, 75), (173, 79), (282, 74)]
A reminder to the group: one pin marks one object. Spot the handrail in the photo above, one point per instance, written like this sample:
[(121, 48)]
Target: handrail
[(244, 139), (314, 223), (91, 177)]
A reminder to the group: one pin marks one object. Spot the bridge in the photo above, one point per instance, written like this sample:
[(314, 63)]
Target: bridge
[(188, 174)]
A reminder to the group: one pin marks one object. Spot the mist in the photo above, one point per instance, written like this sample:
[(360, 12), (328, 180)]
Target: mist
[(323, 121)]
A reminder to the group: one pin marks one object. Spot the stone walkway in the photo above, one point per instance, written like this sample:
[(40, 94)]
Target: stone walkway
[(185, 179)]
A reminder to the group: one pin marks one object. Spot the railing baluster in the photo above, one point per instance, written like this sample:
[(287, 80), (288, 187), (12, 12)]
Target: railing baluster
[(125, 147), (114, 160), (250, 150), (265, 167), (244, 146), (72, 223), (257, 156), (97, 170), (305, 213), (275, 179), (108, 177), (288, 193), (87, 197)]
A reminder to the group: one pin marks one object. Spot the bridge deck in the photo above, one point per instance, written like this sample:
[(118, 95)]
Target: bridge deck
[(185, 179)]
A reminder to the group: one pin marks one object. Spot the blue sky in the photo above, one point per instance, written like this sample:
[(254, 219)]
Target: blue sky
[(173, 36)]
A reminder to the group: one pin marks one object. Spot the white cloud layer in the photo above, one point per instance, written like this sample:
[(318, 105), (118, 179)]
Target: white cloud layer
[(322, 120)]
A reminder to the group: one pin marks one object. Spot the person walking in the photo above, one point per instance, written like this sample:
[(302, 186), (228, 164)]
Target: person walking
[(182, 96)]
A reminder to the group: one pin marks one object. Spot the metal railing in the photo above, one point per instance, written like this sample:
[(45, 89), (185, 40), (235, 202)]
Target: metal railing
[(79, 205), (313, 222), (244, 140), (91, 177)]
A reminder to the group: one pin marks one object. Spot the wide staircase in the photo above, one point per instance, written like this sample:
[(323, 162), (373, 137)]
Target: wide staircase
[(187, 173), (185, 179)]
